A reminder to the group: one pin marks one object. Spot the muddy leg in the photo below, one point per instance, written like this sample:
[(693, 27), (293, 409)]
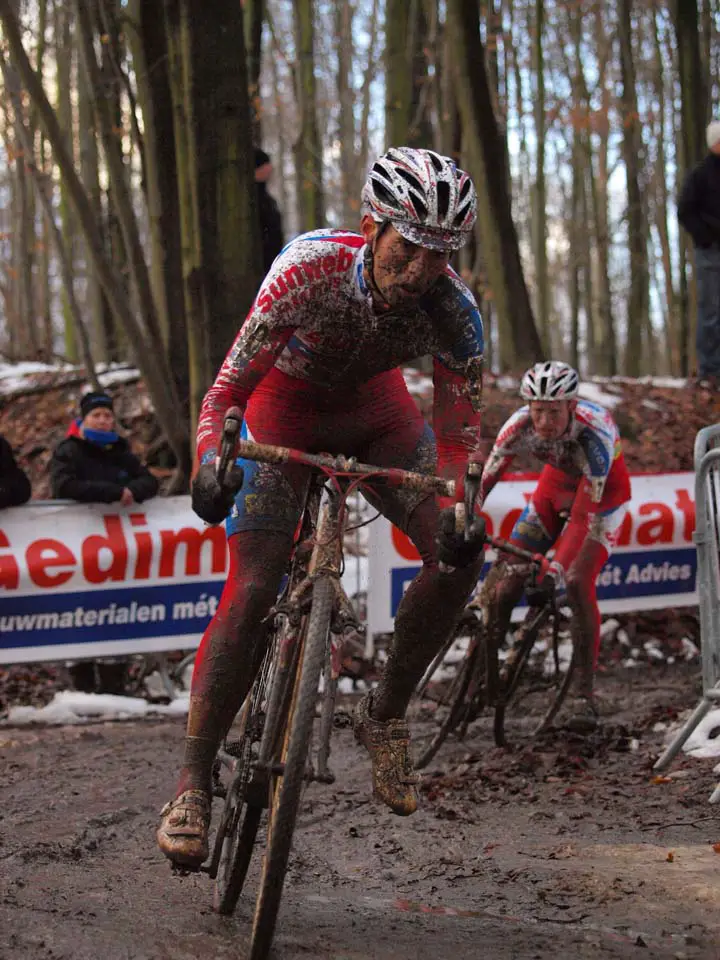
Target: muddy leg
[(231, 649), (427, 615)]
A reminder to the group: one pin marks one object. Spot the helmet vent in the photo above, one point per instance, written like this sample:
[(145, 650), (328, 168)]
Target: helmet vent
[(443, 198)]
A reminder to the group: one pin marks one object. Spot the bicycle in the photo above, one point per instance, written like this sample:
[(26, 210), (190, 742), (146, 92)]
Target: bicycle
[(267, 765), (483, 679)]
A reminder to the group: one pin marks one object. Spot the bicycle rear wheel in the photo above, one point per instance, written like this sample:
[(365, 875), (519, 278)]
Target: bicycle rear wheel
[(466, 693), (286, 786)]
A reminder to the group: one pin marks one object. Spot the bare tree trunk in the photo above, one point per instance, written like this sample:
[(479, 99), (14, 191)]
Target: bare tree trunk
[(117, 175), (102, 322), (692, 122), (64, 57), (485, 145), (575, 257), (196, 308), (25, 250), (661, 204), (638, 310), (228, 217), (344, 13), (606, 343), (308, 149), (254, 16), (398, 71), (148, 43), (539, 212), (43, 186), (282, 159), (153, 367), (370, 71)]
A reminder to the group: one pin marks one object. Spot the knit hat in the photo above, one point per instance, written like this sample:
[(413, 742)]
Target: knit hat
[(93, 400), (713, 134)]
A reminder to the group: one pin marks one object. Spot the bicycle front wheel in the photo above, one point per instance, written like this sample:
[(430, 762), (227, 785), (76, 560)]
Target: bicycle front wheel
[(286, 785)]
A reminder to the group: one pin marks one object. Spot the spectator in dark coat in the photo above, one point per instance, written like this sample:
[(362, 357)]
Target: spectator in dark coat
[(95, 465), (699, 213), (270, 218), (14, 484)]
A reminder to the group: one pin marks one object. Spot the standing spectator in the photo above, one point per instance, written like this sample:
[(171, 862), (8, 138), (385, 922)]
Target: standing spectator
[(270, 218), (14, 484), (95, 465), (699, 213)]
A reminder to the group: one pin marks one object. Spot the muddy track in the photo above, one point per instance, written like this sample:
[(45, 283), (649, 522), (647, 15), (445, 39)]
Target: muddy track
[(561, 849)]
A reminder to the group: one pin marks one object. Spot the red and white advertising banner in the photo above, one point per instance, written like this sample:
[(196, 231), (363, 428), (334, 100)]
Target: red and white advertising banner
[(653, 565), (79, 580)]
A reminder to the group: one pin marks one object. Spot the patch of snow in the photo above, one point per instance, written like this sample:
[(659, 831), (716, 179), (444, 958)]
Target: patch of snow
[(71, 706), (704, 741), (609, 627), (347, 685), (652, 649), (689, 649), (15, 377), (564, 656), (593, 393), (120, 375), (672, 383)]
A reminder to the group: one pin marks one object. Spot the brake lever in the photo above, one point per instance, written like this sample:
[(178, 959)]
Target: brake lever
[(473, 477), (228, 445)]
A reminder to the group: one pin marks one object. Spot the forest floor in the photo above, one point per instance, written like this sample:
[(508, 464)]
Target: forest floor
[(559, 848)]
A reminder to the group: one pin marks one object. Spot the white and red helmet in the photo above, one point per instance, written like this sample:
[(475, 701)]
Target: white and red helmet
[(550, 380), (426, 197)]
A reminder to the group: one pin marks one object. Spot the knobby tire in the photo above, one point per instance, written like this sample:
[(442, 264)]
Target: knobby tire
[(287, 792)]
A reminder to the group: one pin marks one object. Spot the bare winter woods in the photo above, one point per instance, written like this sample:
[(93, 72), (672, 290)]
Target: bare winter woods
[(128, 220)]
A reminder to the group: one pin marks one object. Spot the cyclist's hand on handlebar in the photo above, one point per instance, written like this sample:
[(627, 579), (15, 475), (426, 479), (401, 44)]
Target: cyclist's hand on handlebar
[(453, 548), (212, 500), (550, 583)]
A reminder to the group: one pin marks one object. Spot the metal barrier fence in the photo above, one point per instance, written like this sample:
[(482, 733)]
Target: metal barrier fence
[(707, 543)]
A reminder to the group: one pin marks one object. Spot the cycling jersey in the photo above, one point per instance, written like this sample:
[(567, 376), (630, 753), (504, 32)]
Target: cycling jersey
[(316, 328), (590, 448)]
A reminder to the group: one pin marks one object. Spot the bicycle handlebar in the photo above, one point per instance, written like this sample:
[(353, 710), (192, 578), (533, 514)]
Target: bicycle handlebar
[(233, 447), (339, 464)]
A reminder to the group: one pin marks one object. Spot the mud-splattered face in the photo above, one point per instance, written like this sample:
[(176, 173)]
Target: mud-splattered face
[(402, 271), (551, 418)]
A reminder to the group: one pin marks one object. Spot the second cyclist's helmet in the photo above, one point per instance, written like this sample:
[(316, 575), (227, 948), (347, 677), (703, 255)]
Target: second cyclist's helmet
[(426, 197), (550, 380)]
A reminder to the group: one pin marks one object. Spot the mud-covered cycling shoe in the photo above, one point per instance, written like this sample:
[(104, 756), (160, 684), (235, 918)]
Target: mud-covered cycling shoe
[(582, 716), (183, 832), (388, 744)]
